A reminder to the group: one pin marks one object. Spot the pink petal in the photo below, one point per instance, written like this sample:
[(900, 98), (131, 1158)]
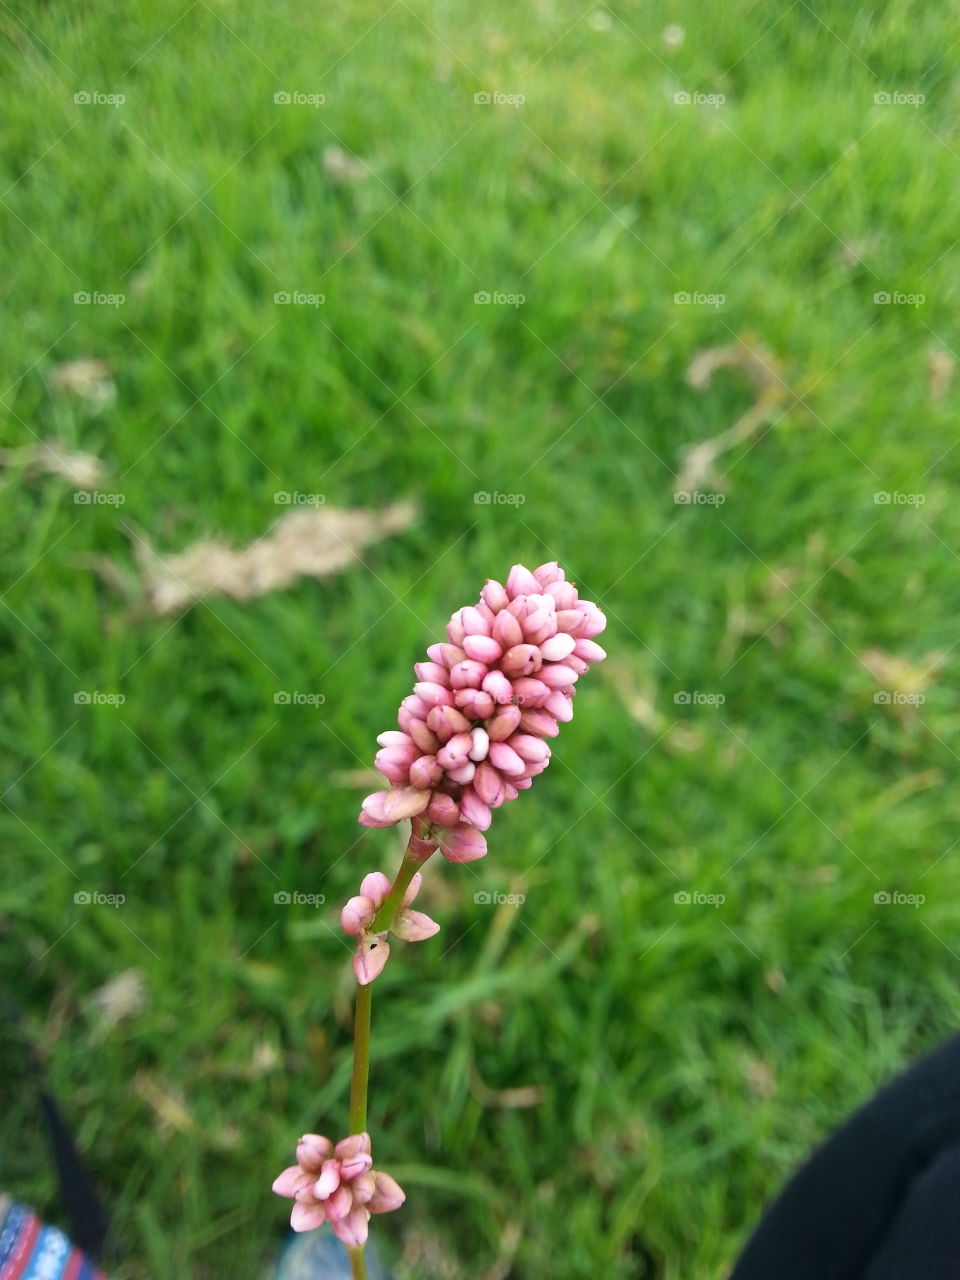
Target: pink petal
[(425, 772), (432, 671), (405, 803), (388, 1195), (488, 785), (306, 1217), (370, 959), (375, 886), (482, 649), (559, 706), (521, 582), (540, 723), (357, 914), (353, 1229), (414, 926), (474, 810), (328, 1180), (506, 630), (529, 748), (494, 595), (530, 692), (463, 844), (374, 808), (339, 1204), (480, 740), (560, 646), (364, 1188), (291, 1181), (505, 759), (413, 888), (464, 773), (355, 1144), (443, 810)]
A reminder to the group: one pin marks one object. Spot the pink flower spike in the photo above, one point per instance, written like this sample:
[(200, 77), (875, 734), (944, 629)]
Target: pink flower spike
[(388, 1195), (413, 926), (371, 957)]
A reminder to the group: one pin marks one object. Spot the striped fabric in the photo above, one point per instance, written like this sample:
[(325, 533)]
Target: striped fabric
[(32, 1250)]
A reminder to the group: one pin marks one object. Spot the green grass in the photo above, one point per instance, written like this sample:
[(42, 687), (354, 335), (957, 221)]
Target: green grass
[(657, 1136)]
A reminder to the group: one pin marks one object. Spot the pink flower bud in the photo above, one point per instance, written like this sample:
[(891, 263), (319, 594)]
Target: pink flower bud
[(363, 1188), (422, 736), (328, 1181), (413, 888), (529, 748), (455, 752), (482, 649), (564, 593), (433, 672), (547, 573), (416, 706), (425, 772), (494, 595), (480, 741), (488, 785), (463, 773), (589, 651), (375, 886), (292, 1181), (473, 809), (374, 809), (467, 674), (339, 1203), (312, 1150), (357, 914), (570, 620), (473, 622), (405, 803), (394, 738), (474, 703), (449, 655), (521, 660), (559, 647), (498, 686), (394, 763), (353, 1228), (446, 721), (521, 582), (578, 664), (558, 676), (456, 630), (371, 957), (559, 706), (530, 691), (388, 1195), (414, 926), (433, 694), (462, 844), (506, 630), (595, 621), (541, 723), (443, 810), (503, 723), (505, 759), (306, 1217)]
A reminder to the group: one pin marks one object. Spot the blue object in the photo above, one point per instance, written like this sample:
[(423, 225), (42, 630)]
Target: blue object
[(319, 1255)]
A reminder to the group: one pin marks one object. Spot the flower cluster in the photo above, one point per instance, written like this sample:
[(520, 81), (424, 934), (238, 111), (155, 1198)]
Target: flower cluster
[(473, 733), (373, 947), (337, 1184)]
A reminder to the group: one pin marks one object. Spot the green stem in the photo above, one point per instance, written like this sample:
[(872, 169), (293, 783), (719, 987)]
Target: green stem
[(358, 1265), (413, 859)]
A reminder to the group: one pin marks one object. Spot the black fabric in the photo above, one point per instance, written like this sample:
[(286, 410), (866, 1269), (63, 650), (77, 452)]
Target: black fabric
[(88, 1218), (880, 1200)]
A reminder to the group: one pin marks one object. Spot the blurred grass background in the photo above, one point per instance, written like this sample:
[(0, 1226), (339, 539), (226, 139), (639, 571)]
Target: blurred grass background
[(677, 1059)]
